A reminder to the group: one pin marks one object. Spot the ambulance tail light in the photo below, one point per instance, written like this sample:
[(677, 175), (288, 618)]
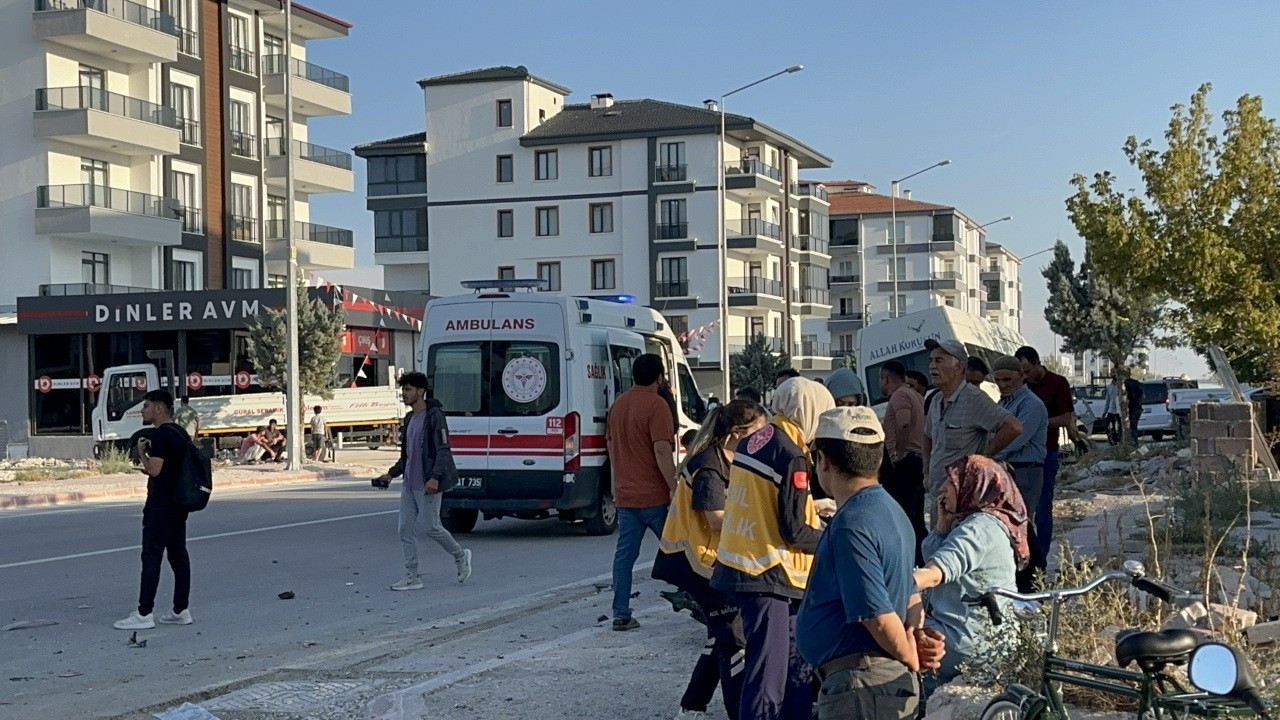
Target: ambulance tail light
[(572, 442)]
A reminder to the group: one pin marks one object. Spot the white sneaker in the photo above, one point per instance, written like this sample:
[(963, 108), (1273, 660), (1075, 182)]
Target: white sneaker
[(136, 622), (690, 715), (464, 566), (408, 582), (169, 617)]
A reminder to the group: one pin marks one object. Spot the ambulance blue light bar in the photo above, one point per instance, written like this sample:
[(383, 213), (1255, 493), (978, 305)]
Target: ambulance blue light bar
[(624, 299), (508, 283)]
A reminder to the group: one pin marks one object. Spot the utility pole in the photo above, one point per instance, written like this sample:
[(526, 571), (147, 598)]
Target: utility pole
[(293, 391)]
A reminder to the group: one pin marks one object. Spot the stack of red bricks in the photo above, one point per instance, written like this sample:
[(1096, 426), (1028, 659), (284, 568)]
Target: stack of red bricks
[(1222, 441)]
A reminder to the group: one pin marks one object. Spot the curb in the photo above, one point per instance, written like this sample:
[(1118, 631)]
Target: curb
[(10, 502)]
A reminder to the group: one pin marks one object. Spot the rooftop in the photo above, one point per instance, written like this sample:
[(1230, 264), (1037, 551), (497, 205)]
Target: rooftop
[(500, 73), (865, 203), (412, 140), (580, 122)]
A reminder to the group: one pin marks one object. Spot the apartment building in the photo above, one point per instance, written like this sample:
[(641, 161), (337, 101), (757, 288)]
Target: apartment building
[(602, 198), (144, 153), (941, 258)]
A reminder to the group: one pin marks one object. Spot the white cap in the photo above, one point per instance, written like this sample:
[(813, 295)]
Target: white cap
[(851, 424)]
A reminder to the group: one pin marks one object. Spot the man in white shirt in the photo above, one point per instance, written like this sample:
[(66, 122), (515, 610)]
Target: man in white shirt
[(1111, 409)]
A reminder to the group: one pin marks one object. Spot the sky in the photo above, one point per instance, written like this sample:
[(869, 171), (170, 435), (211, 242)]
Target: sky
[(1019, 96)]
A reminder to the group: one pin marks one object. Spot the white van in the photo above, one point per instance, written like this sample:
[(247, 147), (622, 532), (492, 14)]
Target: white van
[(526, 379)]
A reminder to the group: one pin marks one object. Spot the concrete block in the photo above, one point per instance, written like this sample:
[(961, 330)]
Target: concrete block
[(1238, 429), (1187, 617), (1210, 463), (1201, 446), (1233, 448), (1208, 429), (1233, 411), (1202, 411), (1263, 634), (1224, 615)]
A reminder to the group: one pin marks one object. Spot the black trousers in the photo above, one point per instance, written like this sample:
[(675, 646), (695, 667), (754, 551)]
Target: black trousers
[(721, 661), (905, 482), (164, 532)]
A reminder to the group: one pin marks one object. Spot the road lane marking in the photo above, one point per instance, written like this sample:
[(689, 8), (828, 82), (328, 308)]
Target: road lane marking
[(214, 536)]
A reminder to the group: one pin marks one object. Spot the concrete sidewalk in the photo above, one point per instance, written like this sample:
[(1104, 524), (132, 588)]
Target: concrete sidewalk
[(134, 485)]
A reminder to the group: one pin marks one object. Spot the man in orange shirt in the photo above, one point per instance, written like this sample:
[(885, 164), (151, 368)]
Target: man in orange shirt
[(641, 438)]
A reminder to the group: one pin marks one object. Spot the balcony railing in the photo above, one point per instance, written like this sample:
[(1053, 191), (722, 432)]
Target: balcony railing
[(812, 348), (739, 343), (813, 295), (837, 279), (670, 173), (751, 166), (672, 289), (86, 195), (671, 231), (948, 275), (846, 315), (275, 65), (312, 152), (188, 42), (83, 97), (814, 191), (244, 145), (810, 243), (131, 12), (754, 227), (242, 59), (312, 233), (755, 285), (188, 131), (398, 187), (944, 237), (244, 228), (400, 244), (192, 222), (62, 289)]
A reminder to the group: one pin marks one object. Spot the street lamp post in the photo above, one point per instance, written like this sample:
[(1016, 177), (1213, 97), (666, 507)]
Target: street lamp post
[(293, 385), (893, 228), (722, 244)]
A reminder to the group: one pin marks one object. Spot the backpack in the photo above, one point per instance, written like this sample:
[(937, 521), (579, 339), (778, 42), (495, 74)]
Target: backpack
[(928, 399), (195, 479)]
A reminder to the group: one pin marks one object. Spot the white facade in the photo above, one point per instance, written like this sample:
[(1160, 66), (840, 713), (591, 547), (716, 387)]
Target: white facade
[(623, 213)]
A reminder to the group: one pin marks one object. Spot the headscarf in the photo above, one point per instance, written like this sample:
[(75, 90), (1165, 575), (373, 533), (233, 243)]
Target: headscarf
[(801, 401), (844, 382), (982, 485)]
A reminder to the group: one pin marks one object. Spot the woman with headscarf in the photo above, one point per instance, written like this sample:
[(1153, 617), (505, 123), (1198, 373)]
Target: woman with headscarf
[(770, 532), (687, 551), (980, 542)]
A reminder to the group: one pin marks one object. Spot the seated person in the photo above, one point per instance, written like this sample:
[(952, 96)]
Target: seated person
[(254, 446), (275, 440), (980, 541)]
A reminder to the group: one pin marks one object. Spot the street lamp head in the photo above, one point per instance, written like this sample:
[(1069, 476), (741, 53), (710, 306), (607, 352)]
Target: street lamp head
[(944, 162), (1006, 217), (795, 68)]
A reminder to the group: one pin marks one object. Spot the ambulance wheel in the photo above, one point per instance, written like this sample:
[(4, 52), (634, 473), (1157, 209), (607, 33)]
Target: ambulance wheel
[(459, 522), (604, 521)]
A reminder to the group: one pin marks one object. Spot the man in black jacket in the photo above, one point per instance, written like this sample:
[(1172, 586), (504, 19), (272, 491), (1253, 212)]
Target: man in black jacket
[(426, 462)]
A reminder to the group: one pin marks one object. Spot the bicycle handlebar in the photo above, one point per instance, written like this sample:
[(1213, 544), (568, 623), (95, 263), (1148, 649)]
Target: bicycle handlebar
[(1155, 588)]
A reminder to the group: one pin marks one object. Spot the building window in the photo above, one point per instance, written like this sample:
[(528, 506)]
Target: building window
[(550, 271), (548, 221), (241, 57), (400, 230), (896, 232), (95, 268), (244, 217), (184, 17), (671, 155), (272, 44), (277, 281), (674, 280), (601, 217), (542, 116), (183, 99), (506, 223), (507, 272), (506, 169), (398, 175), (275, 208), (94, 173), (600, 161), (901, 264), (995, 265), (602, 277), (243, 143), (899, 307), (182, 275), (242, 279), (546, 165), (183, 187), (504, 113), (844, 232)]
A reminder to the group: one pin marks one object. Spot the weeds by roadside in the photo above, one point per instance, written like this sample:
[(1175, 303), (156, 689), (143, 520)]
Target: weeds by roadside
[(26, 476), (115, 461)]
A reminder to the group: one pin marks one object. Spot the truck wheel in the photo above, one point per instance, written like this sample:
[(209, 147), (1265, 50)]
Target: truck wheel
[(459, 521), (605, 519)]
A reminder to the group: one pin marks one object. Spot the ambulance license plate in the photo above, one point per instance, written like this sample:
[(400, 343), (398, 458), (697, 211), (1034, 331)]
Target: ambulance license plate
[(470, 483)]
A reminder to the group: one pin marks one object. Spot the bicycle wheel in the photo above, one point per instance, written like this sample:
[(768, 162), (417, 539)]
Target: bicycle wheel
[(1004, 708)]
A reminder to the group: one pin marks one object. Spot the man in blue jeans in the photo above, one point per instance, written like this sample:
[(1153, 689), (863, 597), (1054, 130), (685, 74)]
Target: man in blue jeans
[(641, 438)]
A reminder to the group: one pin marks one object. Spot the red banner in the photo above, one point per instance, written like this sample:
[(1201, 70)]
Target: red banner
[(371, 342)]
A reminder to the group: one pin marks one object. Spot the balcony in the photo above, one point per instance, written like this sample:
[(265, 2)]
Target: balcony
[(124, 31), (998, 307), (671, 231), (671, 288), (846, 279), (671, 173), (945, 244), (752, 179), (814, 245), (242, 60), (317, 169), (812, 348), (846, 319), (755, 293), (64, 289), (192, 220), (103, 214), (189, 132), (319, 246), (811, 194), (243, 228), (812, 296), (316, 90), (244, 145), (947, 281), (101, 120), (188, 42), (412, 244), (751, 237), (739, 343)]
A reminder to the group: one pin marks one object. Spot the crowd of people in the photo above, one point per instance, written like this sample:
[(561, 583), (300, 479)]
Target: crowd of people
[(828, 552)]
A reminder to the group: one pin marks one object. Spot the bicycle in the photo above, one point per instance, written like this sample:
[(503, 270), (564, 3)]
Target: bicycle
[(1221, 673)]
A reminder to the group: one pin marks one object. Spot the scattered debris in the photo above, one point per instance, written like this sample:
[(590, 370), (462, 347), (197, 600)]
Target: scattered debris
[(286, 595), (1263, 633), (603, 618), (21, 678), (187, 711), (350, 584), (135, 643), (70, 674), (309, 643), (28, 624)]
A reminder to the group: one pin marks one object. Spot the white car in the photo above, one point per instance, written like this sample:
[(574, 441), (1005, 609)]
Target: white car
[(1157, 421)]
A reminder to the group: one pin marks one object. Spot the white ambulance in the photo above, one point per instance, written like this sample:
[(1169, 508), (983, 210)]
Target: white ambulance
[(526, 379)]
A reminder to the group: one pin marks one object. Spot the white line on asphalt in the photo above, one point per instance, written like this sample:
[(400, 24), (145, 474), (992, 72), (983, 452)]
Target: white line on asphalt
[(214, 536), (100, 503)]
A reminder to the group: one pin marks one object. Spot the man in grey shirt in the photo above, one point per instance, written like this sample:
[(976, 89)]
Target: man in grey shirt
[(962, 420)]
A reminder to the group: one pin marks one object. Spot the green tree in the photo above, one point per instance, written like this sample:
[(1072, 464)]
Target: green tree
[(756, 366), (319, 347), (1202, 230), (1092, 313)]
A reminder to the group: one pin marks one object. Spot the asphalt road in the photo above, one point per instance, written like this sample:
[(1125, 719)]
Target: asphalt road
[(333, 544)]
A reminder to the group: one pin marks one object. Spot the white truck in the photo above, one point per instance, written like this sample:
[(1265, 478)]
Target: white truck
[(371, 413)]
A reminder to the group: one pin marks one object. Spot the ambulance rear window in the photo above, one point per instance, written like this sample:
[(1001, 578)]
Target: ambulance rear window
[(505, 378)]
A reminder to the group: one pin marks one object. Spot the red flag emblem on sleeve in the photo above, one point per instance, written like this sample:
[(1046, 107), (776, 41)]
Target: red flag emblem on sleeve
[(800, 479)]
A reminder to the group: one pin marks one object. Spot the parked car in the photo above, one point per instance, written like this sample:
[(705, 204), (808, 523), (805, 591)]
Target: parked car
[(1156, 420), (1090, 406)]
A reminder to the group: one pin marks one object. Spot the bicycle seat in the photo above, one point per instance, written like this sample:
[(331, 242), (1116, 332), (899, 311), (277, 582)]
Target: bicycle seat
[(1154, 650)]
